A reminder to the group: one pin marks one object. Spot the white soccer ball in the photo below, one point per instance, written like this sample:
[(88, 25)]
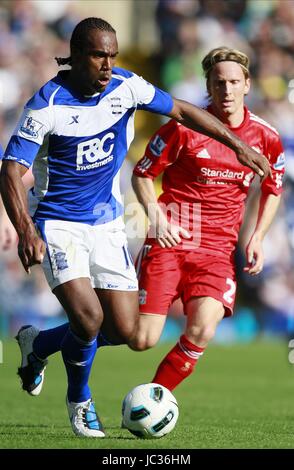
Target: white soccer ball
[(150, 411)]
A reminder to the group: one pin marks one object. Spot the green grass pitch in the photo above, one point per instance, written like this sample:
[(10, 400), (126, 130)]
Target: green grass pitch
[(240, 396)]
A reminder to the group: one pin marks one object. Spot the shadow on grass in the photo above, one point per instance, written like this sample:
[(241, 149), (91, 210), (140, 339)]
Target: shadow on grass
[(58, 431), (16, 425)]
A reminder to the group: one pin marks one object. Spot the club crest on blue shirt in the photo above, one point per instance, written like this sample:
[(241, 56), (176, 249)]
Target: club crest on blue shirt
[(30, 127)]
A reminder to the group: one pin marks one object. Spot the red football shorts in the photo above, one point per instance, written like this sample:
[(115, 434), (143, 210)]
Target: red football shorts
[(166, 275)]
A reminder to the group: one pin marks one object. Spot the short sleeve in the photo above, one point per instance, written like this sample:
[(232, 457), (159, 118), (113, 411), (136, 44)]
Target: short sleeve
[(149, 97), (276, 156), (29, 135), (161, 151)]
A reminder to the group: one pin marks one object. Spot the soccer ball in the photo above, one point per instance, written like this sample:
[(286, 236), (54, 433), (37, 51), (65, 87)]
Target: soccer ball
[(149, 411)]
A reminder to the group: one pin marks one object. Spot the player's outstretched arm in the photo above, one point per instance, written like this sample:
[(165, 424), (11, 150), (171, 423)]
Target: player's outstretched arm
[(201, 121), (31, 247), (268, 207)]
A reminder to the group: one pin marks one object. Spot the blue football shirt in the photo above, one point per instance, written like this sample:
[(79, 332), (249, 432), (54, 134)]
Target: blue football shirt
[(77, 145)]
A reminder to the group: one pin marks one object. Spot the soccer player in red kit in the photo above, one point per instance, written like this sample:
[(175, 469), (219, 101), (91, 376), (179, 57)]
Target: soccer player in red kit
[(189, 251)]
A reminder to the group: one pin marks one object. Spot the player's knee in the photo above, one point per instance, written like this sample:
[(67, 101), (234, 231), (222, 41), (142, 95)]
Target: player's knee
[(142, 342), (138, 345), (201, 335), (87, 325), (88, 332)]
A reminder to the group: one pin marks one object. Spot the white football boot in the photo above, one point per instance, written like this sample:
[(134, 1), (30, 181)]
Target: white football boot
[(84, 420)]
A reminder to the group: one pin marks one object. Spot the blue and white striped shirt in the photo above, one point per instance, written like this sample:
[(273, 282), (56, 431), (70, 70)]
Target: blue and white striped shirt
[(77, 145)]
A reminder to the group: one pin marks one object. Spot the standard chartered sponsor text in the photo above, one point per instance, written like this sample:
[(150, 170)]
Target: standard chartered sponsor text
[(222, 173)]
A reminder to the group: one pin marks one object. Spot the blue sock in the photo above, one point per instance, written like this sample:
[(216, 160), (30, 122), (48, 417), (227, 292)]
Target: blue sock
[(78, 356), (49, 341)]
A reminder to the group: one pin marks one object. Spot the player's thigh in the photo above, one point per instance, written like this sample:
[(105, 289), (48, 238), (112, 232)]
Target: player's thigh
[(203, 311), (67, 251), (210, 276), (82, 306), (148, 331), (111, 265), (159, 277), (121, 313)]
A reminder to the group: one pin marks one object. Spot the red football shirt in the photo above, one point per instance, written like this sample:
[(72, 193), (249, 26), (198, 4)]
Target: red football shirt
[(204, 185)]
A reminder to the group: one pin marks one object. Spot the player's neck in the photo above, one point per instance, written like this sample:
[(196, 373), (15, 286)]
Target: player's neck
[(74, 81), (231, 120)]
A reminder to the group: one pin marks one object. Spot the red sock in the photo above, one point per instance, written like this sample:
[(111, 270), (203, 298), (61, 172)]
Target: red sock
[(178, 364)]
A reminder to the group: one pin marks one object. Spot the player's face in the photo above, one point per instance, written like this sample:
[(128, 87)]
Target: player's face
[(227, 87), (94, 64)]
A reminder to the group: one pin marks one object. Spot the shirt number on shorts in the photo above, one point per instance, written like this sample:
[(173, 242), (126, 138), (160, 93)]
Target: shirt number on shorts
[(229, 294)]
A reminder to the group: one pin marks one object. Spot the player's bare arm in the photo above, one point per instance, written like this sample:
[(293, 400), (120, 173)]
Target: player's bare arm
[(201, 121), (268, 207), (167, 234), (7, 233), (31, 247)]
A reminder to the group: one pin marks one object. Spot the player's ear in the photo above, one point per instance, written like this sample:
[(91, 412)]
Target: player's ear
[(75, 54), (208, 88), (247, 86)]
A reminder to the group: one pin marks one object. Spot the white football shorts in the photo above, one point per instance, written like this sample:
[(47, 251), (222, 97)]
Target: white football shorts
[(98, 252)]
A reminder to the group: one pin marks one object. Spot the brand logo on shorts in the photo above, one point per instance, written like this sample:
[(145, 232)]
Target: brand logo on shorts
[(142, 297), (95, 152)]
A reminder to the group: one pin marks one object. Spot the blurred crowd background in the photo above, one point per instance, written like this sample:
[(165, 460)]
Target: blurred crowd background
[(164, 41)]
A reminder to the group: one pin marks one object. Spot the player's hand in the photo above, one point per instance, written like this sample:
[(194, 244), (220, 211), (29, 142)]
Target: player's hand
[(171, 235), (254, 256), (31, 249), (257, 162)]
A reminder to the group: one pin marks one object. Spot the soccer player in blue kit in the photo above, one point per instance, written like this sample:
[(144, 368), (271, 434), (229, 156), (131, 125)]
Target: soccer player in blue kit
[(76, 131)]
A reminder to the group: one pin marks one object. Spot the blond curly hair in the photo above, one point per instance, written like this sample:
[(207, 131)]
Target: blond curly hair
[(221, 54)]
